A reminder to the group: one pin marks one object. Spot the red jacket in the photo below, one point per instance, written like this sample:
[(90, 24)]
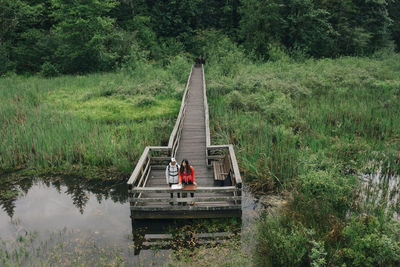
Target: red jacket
[(185, 177)]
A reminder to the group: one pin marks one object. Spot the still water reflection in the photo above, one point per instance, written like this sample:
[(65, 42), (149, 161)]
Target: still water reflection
[(98, 211), (47, 205)]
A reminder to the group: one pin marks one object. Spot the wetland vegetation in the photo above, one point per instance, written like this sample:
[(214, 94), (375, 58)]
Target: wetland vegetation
[(308, 92), (88, 125), (309, 130)]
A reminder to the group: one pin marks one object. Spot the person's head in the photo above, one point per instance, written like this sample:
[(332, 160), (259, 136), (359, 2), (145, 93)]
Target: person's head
[(185, 165), (173, 161)]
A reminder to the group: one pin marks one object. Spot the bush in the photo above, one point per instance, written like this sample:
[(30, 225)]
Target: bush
[(277, 108), (320, 196), (282, 243), (220, 52), (236, 100), (369, 241), (179, 66), (49, 70)]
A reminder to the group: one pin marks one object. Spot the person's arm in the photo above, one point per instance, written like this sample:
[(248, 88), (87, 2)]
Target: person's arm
[(166, 174), (180, 176), (192, 174)]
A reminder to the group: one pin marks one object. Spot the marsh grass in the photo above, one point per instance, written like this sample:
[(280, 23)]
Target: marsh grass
[(345, 110), (87, 124), (308, 130)]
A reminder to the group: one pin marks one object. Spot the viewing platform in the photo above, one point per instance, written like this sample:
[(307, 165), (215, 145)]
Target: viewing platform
[(219, 184)]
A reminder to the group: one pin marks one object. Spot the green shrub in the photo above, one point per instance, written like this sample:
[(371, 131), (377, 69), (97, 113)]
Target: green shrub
[(278, 108), (49, 70), (319, 196), (318, 254), (236, 100), (370, 241), (280, 242), (179, 67)]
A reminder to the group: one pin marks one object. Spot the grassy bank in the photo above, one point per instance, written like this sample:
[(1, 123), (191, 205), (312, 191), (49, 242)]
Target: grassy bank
[(308, 130), (88, 125)]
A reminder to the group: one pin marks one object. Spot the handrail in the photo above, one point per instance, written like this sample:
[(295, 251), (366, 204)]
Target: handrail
[(139, 166), (172, 143), (186, 199), (198, 189), (181, 116), (206, 114), (235, 166)]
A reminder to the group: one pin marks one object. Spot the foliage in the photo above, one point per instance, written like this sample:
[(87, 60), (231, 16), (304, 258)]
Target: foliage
[(89, 36), (307, 130), (49, 70), (220, 51), (394, 13), (370, 241), (321, 198), (316, 28), (282, 243), (82, 30), (85, 124)]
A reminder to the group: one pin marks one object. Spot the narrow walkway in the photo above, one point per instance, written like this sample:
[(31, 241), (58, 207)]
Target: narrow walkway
[(149, 191), (192, 145)]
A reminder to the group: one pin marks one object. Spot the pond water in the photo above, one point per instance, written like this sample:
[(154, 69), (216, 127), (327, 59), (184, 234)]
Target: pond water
[(74, 218), (380, 190)]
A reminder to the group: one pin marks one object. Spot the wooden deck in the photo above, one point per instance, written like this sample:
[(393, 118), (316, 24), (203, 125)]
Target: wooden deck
[(190, 139)]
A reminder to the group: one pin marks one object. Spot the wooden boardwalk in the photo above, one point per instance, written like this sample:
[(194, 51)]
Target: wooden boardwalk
[(190, 139)]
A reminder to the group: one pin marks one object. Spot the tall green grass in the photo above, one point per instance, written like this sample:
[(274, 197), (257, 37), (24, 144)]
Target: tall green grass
[(279, 114), (89, 124), (309, 130)]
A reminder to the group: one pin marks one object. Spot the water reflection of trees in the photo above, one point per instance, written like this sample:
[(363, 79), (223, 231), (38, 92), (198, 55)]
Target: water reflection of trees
[(77, 188)]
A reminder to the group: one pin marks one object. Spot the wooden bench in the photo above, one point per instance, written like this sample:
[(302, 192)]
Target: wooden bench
[(222, 168)]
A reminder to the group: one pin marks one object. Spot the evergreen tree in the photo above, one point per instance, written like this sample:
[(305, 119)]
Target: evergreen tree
[(394, 12), (82, 29)]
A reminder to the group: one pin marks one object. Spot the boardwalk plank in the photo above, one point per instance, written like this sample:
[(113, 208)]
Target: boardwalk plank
[(192, 146)]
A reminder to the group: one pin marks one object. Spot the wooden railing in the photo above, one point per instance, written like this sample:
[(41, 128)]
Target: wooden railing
[(217, 152), (173, 142), (142, 170), (153, 157), (164, 192)]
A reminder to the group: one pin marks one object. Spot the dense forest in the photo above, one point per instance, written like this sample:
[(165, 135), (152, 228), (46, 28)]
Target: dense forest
[(61, 36)]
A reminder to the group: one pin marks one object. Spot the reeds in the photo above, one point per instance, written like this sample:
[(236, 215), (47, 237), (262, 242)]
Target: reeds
[(345, 109), (86, 124), (309, 130)]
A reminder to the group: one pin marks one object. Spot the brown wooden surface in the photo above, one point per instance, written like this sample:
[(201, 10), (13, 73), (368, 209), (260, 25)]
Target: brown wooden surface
[(189, 187), (192, 143), (191, 135)]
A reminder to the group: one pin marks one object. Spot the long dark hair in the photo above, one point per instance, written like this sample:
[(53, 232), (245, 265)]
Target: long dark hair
[(186, 168)]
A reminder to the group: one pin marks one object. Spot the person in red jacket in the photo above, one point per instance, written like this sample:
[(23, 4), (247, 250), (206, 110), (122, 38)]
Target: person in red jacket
[(186, 175)]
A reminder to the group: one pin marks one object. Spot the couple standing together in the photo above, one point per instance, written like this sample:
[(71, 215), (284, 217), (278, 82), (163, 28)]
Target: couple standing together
[(183, 174)]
